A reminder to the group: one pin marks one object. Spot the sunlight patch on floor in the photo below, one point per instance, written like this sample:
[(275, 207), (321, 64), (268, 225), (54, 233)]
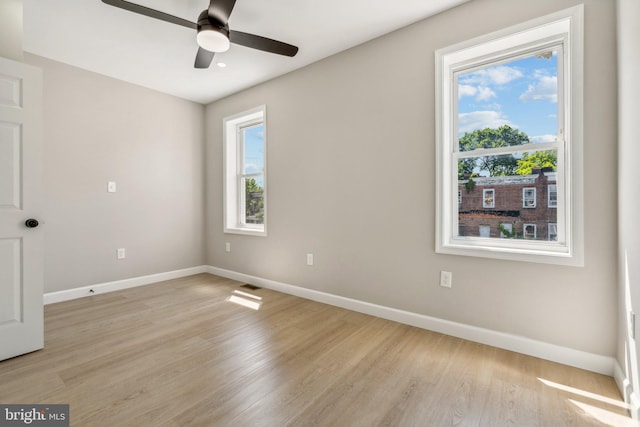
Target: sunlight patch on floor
[(583, 393), (604, 416), (246, 299)]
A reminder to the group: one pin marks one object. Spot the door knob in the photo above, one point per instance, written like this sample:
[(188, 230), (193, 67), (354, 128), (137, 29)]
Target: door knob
[(31, 223)]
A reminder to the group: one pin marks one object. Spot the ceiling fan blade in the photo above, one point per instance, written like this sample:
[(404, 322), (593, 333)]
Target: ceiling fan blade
[(262, 43), (220, 10), (136, 8), (203, 58)]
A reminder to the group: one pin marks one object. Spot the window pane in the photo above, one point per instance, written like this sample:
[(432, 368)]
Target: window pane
[(519, 163), (253, 149), (254, 200), (510, 103), (504, 203)]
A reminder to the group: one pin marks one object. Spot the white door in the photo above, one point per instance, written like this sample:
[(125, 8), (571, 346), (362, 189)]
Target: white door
[(21, 247)]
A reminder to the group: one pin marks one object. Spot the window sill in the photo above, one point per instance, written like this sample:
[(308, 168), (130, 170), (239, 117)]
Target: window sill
[(247, 231), (523, 250)]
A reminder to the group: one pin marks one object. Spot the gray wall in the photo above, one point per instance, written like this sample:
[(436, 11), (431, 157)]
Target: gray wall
[(99, 129), (629, 195), (352, 180)]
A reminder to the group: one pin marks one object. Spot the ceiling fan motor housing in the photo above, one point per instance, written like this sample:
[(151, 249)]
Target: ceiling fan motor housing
[(212, 36)]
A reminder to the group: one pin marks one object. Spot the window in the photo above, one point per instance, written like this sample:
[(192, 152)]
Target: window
[(506, 229), (528, 197), (484, 231), (529, 231), (509, 113), (488, 200), (552, 232), (459, 197), (552, 196), (245, 190)]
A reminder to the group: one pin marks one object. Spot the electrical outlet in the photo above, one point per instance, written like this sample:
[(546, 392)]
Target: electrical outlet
[(111, 186), (120, 253), (309, 259), (445, 279)]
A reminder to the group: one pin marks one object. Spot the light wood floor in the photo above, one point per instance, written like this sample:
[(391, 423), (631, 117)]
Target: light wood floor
[(178, 353)]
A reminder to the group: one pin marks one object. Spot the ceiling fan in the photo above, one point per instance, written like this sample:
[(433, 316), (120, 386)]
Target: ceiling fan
[(214, 35)]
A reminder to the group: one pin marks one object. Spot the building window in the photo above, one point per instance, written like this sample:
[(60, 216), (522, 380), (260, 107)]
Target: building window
[(245, 169), (552, 196), (459, 197), (552, 232), (488, 200), (509, 113), (528, 197), (506, 230), (484, 231), (529, 231)]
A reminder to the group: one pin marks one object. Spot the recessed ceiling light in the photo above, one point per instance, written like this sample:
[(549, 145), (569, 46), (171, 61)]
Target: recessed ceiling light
[(221, 64)]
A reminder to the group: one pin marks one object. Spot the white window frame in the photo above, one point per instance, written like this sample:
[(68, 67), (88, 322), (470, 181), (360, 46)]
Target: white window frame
[(484, 198), (526, 199), (566, 28), (234, 194), (549, 191)]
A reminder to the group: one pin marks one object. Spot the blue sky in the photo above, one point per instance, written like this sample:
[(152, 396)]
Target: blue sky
[(522, 94)]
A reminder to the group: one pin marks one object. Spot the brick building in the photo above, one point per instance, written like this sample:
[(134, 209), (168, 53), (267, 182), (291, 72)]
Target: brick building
[(509, 206)]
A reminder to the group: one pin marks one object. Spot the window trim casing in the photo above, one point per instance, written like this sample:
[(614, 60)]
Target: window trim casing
[(231, 163), (567, 23)]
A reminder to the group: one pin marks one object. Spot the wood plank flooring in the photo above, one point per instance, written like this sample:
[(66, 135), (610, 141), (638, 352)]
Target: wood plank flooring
[(178, 353)]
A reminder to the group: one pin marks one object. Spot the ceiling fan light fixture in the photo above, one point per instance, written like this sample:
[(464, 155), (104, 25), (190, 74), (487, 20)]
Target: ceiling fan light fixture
[(212, 39)]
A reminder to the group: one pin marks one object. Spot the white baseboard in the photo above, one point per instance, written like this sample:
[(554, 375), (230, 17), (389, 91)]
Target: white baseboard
[(626, 389), (101, 288), (555, 353)]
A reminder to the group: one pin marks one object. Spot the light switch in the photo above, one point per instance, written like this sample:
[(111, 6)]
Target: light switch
[(111, 186)]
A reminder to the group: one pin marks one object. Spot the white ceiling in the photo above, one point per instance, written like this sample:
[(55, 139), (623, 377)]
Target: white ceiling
[(94, 36)]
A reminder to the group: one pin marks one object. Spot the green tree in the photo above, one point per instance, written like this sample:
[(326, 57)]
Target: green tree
[(254, 202), (502, 165), (537, 159)]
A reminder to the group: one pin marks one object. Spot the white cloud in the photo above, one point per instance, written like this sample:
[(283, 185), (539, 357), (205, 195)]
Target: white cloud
[(545, 89), (468, 122), (542, 138), (484, 94), (481, 93), (466, 90), (499, 75)]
